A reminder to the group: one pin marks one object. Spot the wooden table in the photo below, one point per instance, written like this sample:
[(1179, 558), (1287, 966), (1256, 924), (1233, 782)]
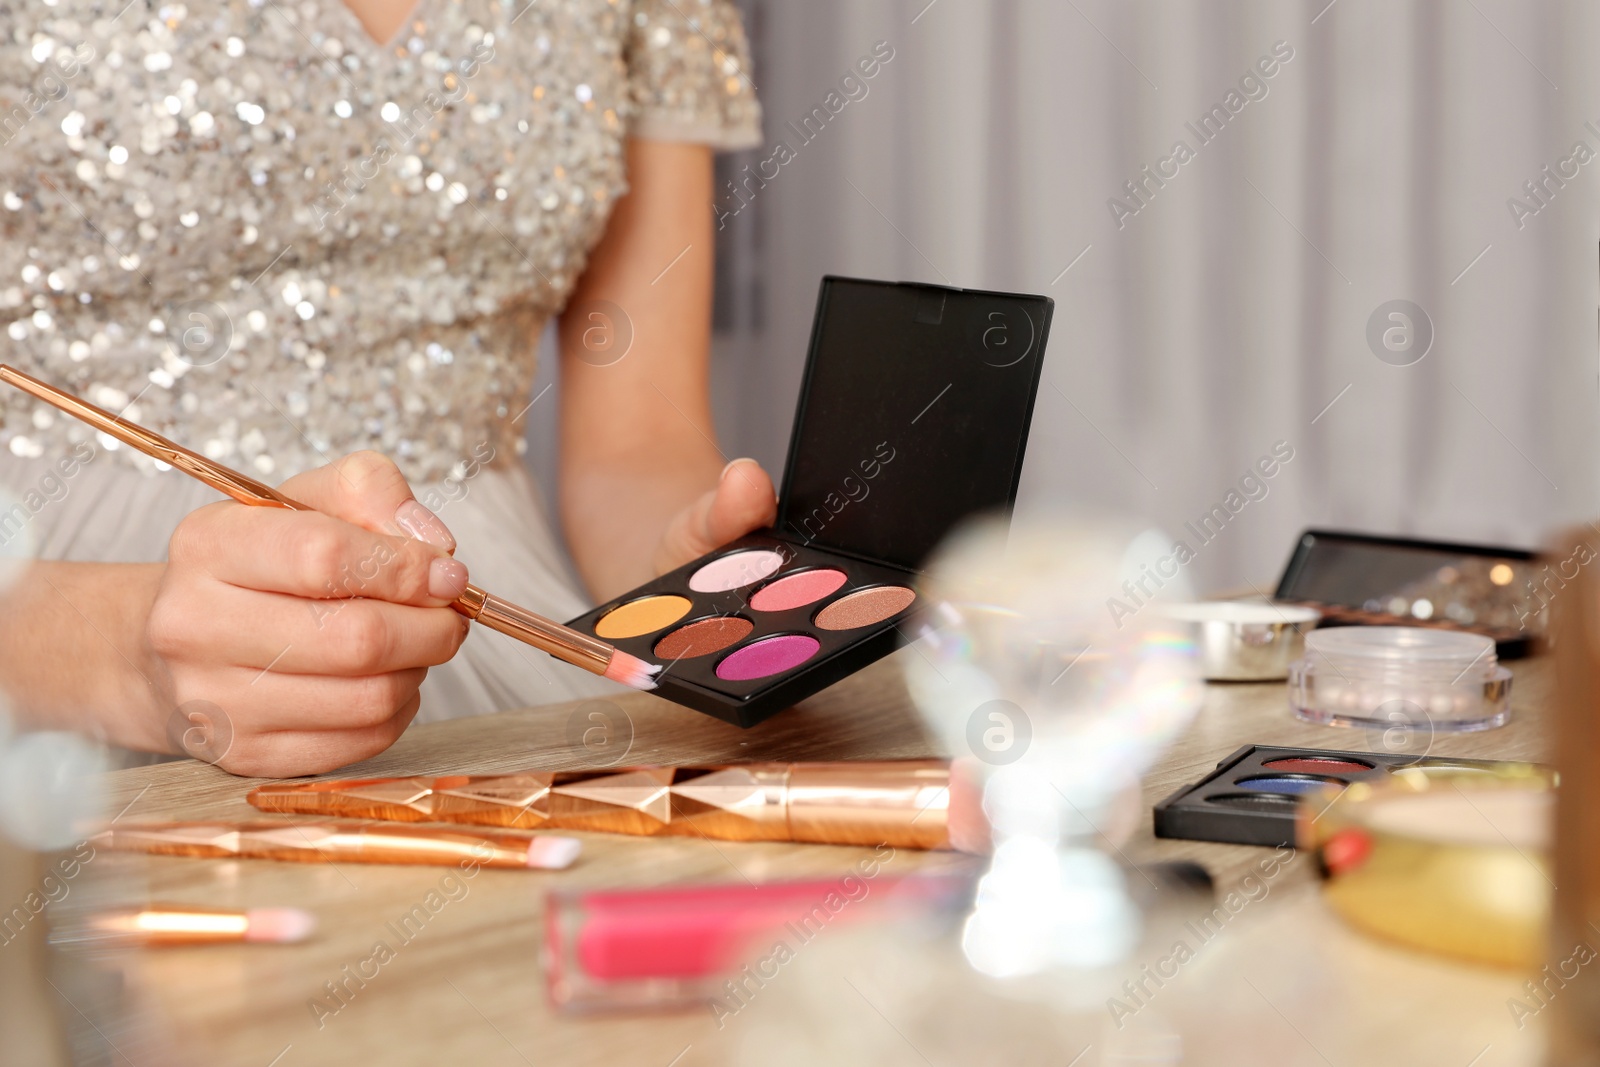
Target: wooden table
[(469, 988)]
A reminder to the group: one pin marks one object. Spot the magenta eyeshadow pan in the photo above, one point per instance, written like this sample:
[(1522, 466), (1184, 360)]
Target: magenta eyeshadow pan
[(768, 656)]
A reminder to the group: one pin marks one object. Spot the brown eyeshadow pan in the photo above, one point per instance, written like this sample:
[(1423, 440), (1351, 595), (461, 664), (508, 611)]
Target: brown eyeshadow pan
[(865, 607), (703, 637)]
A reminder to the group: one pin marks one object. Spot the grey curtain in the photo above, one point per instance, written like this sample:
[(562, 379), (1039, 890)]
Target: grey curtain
[(1223, 309)]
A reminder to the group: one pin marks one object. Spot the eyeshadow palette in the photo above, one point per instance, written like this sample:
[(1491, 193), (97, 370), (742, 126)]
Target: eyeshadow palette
[(727, 626), (1252, 796), (913, 415), (1365, 580)]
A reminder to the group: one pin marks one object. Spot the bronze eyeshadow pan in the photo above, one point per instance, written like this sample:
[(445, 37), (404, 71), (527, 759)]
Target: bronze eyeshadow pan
[(865, 607), (881, 466), (703, 637)]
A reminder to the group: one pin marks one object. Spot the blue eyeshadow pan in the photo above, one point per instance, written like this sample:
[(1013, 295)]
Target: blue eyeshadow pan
[(1284, 784)]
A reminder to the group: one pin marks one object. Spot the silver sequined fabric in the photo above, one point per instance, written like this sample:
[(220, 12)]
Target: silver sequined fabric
[(250, 227)]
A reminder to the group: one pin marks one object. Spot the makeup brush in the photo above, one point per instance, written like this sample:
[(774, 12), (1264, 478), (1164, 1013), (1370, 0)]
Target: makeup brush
[(560, 641), (160, 925), (343, 841), (903, 803)]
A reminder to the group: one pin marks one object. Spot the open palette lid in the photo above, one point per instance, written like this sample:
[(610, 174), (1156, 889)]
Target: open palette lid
[(913, 415)]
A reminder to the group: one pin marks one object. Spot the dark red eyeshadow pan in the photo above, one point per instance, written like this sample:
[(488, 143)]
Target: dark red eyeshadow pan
[(1316, 765)]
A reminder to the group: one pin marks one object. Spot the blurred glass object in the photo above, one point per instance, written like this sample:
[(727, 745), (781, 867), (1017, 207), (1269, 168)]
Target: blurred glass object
[(50, 787), (1053, 621), (60, 1007), (32, 1031), (1056, 689)]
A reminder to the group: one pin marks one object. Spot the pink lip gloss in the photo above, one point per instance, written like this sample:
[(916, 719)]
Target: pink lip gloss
[(679, 946)]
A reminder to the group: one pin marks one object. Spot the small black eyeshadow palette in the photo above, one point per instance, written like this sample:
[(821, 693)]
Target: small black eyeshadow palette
[(913, 416), (724, 651), (1252, 796)]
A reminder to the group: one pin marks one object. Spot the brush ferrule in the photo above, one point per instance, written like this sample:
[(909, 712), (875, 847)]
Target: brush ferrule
[(471, 602), (902, 803)]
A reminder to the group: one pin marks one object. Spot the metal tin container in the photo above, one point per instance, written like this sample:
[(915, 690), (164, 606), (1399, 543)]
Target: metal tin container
[(1245, 640)]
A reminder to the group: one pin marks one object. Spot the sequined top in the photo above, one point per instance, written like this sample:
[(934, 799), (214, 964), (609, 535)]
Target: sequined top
[(248, 226)]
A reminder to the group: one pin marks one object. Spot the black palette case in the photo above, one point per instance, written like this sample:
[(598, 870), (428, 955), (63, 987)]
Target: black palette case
[(1223, 807), (913, 415)]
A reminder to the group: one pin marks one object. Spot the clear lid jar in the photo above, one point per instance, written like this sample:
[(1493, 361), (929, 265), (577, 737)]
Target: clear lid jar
[(1380, 676)]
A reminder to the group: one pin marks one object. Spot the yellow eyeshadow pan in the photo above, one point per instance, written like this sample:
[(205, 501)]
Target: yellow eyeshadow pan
[(644, 616)]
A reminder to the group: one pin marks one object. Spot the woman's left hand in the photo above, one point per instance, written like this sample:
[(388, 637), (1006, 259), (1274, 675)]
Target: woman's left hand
[(640, 492), (743, 500)]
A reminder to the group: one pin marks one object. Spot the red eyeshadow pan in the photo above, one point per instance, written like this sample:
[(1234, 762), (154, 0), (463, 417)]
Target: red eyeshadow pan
[(1316, 765)]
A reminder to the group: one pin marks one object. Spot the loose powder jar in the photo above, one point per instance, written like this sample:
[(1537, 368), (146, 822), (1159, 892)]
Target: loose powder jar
[(1408, 677)]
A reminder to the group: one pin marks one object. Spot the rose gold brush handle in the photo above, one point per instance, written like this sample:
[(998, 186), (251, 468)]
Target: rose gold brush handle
[(560, 641), (328, 842), (244, 490), (159, 925), (902, 803)]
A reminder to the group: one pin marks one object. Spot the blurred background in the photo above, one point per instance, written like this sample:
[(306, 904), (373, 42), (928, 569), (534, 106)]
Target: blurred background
[(1213, 302)]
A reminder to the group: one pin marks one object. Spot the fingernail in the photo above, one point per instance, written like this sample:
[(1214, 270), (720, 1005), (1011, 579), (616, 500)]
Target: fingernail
[(447, 578), (423, 525), (730, 466)]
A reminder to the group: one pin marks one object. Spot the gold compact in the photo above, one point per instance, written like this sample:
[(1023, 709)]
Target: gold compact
[(1448, 859)]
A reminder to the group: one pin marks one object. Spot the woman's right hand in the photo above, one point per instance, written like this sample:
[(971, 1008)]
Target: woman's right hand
[(294, 642)]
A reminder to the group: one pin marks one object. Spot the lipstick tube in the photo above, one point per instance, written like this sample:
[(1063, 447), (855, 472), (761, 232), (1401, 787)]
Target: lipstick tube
[(901, 803), (342, 842)]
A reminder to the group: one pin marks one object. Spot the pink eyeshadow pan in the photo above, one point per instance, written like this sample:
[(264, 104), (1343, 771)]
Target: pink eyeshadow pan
[(768, 656), (797, 590), (734, 570)]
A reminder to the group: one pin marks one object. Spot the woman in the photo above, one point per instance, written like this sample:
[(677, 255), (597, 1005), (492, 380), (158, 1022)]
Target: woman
[(283, 232)]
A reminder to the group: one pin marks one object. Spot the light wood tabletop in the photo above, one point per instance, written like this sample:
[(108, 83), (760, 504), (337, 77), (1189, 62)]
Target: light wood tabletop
[(469, 987)]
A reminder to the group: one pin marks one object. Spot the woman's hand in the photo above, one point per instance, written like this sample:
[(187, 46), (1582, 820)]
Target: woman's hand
[(742, 501), (295, 642)]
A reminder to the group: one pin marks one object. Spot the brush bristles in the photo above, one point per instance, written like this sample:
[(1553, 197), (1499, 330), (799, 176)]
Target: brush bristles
[(282, 926), (631, 671), (553, 853)]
